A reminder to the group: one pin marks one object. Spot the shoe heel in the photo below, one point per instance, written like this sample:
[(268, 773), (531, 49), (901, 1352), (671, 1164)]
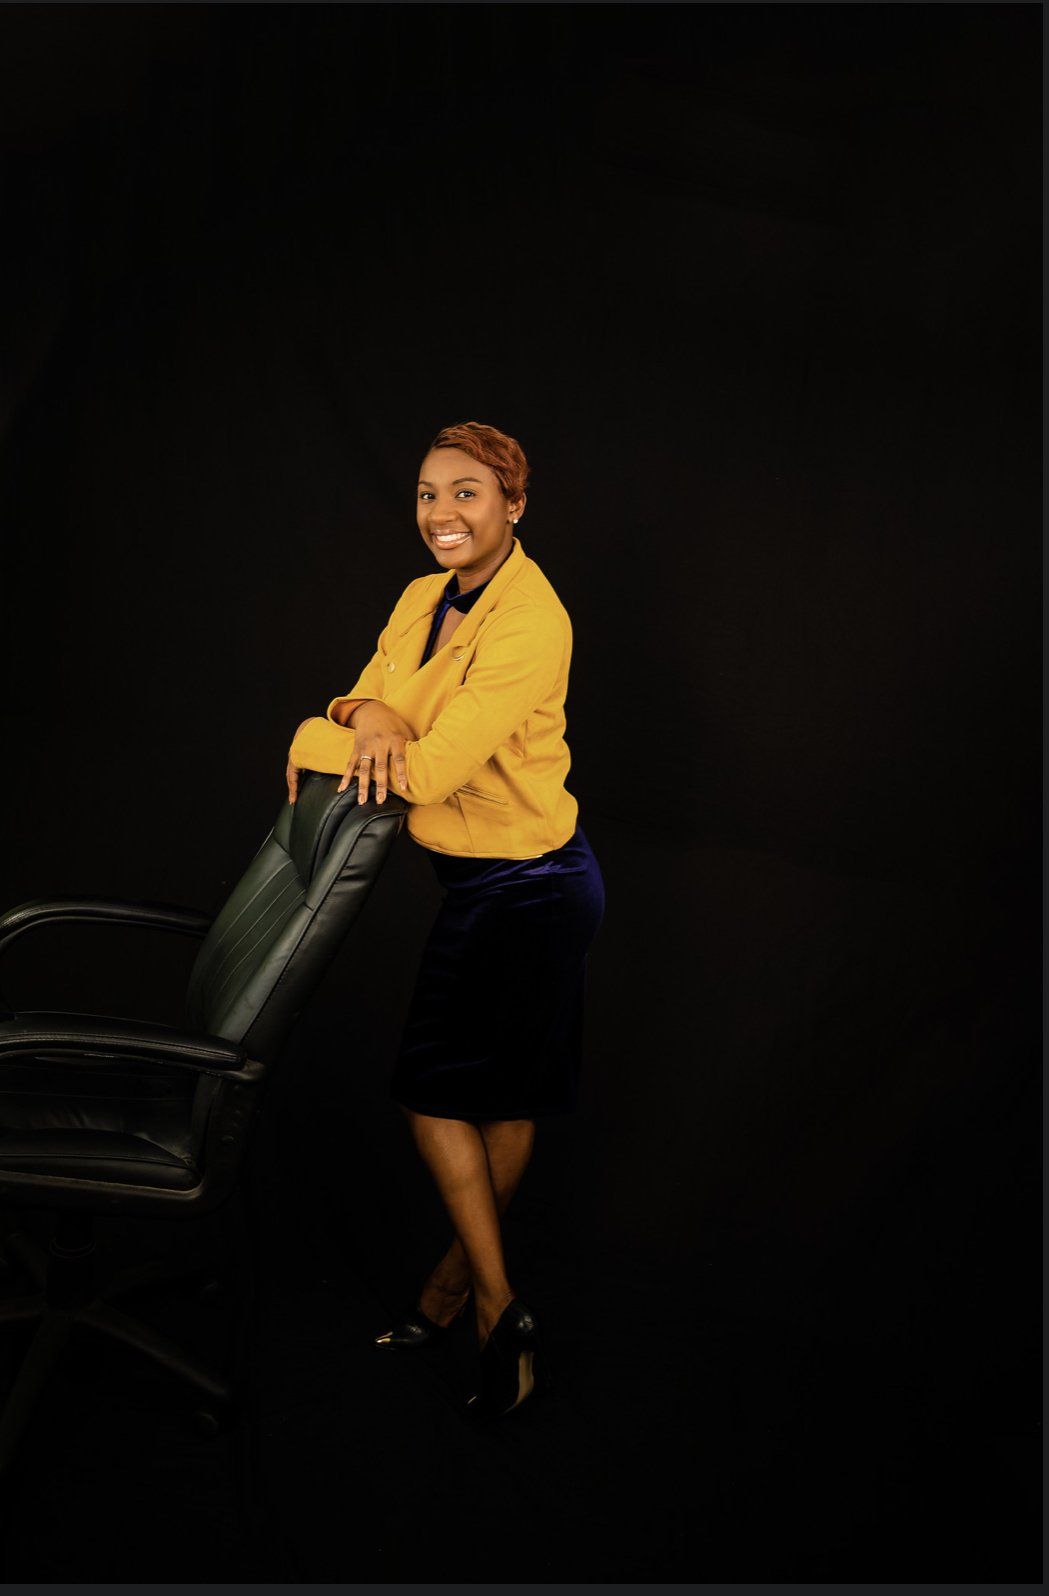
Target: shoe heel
[(513, 1364), (525, 1376)]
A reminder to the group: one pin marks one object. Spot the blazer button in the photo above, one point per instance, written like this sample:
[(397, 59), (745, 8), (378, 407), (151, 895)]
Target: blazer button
[(390, 666)]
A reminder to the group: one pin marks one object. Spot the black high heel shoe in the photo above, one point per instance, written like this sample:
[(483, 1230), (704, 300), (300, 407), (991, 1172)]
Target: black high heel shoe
[(416, 1329), (512, 1363)]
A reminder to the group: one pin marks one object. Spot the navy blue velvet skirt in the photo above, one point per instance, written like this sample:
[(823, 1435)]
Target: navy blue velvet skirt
[(495, 1023)]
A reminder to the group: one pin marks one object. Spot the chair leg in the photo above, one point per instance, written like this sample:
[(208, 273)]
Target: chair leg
[(33, 1259), (67, 1294), (25, 1251), (22, 1310), (44, 1352), (111, 1322), (158, 1273)]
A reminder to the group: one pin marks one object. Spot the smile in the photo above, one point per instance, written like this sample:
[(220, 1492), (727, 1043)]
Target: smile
[(449, 540)]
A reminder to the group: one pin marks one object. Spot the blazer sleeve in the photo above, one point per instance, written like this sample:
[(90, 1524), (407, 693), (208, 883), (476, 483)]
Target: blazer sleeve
[(515, 668)]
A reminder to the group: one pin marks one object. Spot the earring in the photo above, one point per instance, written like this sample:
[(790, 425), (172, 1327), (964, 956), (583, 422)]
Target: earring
[(515, 520)]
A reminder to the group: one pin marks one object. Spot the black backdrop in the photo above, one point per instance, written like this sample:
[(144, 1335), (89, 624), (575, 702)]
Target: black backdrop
[(756, 287)]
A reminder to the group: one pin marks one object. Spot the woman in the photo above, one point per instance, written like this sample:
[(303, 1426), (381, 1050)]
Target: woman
[(461, 710)]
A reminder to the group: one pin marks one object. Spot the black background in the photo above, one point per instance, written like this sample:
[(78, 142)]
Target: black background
[(756, 288)]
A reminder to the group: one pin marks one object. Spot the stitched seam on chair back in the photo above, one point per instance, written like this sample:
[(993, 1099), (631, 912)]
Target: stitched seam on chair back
[(220, 993), (232, 944), (212, 961)]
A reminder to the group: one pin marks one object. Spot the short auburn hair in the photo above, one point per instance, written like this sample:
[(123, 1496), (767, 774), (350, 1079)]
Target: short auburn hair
[(495, 449)]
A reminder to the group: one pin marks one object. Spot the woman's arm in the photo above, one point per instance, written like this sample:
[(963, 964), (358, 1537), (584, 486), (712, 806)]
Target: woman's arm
[(513, 671), (342, 710)]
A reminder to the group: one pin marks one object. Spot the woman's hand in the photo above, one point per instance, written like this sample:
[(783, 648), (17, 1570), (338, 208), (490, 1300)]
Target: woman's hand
[(380, 737)]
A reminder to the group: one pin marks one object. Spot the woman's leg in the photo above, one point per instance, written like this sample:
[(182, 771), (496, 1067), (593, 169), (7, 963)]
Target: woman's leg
[(508, 1145), (476, 1169)]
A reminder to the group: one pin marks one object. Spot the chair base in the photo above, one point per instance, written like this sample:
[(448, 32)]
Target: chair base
[(66, 1298)]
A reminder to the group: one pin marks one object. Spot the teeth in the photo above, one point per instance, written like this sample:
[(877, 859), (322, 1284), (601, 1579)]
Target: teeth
[(450, 538)]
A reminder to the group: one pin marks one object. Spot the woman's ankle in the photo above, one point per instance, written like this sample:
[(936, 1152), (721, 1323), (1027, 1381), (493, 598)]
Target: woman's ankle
[(442, 1302), (450, 1278), (489, 1308), (455, 1292)]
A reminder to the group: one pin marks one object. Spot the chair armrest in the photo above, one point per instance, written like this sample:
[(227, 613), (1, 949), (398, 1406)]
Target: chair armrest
[(116, 911), (76, 1037)]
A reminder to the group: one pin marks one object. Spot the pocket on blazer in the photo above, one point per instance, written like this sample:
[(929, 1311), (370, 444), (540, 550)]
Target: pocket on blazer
[(477, 793)]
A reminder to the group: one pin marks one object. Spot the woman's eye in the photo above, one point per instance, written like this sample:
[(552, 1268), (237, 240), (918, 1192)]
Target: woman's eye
[(470, 491)]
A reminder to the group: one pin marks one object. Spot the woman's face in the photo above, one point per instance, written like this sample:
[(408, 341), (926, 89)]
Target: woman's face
[(457, 495)]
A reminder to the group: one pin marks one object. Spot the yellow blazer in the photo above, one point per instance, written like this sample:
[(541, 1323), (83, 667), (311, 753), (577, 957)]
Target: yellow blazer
[(487, 767)]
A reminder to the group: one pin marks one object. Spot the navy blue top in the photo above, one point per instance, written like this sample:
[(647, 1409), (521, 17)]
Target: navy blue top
[(451, 599)]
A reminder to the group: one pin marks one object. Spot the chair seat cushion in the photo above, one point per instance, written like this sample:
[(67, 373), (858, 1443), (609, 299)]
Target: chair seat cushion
[(96, 1155), (99, 1122)]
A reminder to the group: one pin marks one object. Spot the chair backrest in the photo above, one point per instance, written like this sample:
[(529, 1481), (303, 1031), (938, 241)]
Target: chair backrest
[(286, 918)]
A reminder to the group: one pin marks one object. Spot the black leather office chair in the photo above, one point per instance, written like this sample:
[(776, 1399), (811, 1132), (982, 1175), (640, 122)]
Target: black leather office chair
[(102, 1116)]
